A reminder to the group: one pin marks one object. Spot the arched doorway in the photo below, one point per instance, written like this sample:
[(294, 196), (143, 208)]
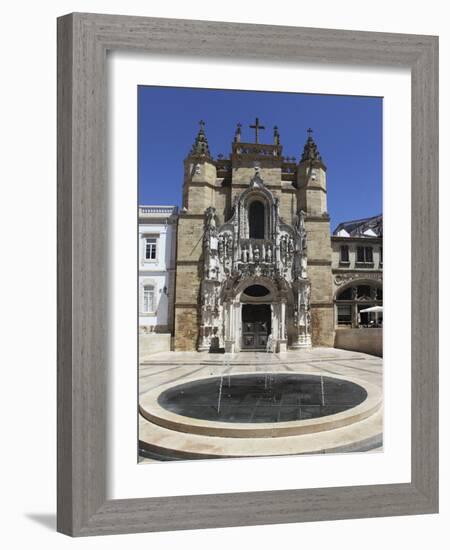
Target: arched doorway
[(256, 223), (254, 314), (256, 317)]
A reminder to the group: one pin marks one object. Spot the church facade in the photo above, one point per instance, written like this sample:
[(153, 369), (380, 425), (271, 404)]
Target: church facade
[(254, 256)]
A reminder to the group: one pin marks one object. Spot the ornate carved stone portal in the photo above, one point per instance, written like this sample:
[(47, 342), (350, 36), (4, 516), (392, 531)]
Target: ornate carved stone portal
[(236, 266)]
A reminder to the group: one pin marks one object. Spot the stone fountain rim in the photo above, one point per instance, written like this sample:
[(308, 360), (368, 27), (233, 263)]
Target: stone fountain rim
[(152, 411)]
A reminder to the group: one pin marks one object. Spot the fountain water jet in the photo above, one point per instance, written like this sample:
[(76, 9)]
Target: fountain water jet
[(220, 394)]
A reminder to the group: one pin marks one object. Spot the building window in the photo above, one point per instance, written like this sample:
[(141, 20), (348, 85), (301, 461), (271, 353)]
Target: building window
[(148, 299), (344, 314), (364, 255), (344, 259), (381, 255), (256, 220), (150, 248)]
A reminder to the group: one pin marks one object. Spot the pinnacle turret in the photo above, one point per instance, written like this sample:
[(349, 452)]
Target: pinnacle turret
[(310, 150), (237, 134), (276, 135), (200, 148)]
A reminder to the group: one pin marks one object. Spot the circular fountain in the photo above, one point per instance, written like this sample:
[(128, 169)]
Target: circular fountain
[(260, 405)]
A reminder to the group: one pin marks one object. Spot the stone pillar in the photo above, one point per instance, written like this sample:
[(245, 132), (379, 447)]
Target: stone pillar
[(229, 329), (302, 338), (275, 325), (282, 343), (355, 322), (237, 325), (204, 344)]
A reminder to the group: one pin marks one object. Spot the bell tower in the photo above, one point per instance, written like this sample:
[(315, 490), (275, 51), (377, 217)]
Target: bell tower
[(199, 175), (312, 199), (198, 194)]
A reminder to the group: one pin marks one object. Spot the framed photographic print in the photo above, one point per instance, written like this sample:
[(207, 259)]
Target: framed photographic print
[(247, 273)]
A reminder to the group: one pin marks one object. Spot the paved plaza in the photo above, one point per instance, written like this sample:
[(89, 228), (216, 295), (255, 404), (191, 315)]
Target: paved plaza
[(178, 440)]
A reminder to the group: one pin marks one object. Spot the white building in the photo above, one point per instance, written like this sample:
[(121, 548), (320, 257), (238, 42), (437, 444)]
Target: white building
[(157, 242)]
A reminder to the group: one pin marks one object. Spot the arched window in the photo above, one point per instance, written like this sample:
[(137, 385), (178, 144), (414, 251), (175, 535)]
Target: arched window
[(256, 291), (148, 299), (352, 303), (256, 220)]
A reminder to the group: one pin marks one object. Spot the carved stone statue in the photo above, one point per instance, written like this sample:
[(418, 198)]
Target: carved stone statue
[(283, 248), (256, 254), (290, 246), (210, 217), (229, 247)]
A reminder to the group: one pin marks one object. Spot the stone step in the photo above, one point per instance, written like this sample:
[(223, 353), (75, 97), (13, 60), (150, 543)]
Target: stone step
[(359, 436)]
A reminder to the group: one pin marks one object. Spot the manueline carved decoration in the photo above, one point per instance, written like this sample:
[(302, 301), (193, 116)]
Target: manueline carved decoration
[(345, 278), (231, 259)]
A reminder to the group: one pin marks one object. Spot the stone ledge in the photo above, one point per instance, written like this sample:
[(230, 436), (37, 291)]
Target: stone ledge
[(153, 342), (190, 446), (365, 340)]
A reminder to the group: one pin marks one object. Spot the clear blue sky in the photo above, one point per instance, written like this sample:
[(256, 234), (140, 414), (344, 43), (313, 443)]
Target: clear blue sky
[(347, 130)]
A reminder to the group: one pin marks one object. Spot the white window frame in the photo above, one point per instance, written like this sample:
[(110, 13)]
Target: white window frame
[(148, 287), (147, 238)]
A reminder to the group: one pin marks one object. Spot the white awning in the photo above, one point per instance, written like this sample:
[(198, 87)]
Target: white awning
[(374, 309)]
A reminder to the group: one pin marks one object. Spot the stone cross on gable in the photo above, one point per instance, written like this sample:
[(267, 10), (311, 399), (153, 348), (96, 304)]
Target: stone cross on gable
[(257, 127)]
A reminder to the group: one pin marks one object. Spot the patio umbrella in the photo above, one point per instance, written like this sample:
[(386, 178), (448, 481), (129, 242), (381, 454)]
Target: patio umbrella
[(373, 309)]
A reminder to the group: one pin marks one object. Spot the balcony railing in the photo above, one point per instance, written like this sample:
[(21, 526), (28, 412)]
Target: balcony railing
[(256, 251)]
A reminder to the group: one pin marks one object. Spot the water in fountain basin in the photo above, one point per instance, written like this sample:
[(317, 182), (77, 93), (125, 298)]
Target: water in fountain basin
[(261, 397)]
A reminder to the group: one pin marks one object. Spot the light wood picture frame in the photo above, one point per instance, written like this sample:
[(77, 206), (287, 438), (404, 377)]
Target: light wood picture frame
[(83, 42)]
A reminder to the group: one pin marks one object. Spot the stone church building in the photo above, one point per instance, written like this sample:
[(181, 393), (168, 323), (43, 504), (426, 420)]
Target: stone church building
[(254, 254)]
